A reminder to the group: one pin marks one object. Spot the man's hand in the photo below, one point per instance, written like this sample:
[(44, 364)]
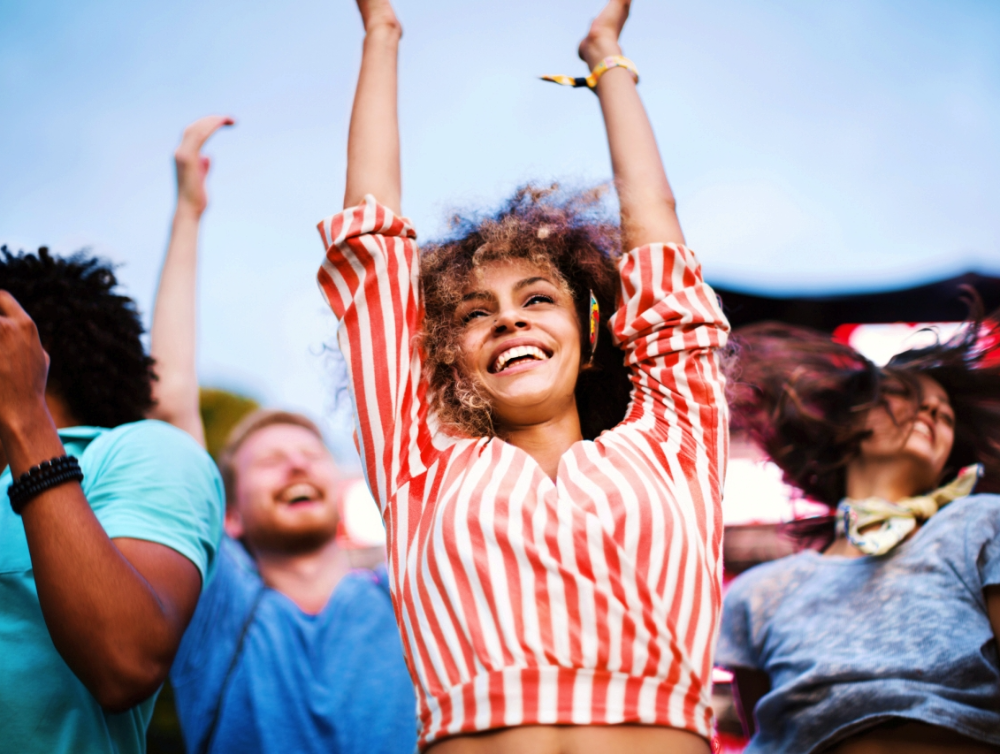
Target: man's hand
[(24, 365), (192, 166), (173, 336)]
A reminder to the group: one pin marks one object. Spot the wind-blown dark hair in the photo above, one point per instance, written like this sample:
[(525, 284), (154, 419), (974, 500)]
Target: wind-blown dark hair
[(566, 232), (802, 397), (92, 335)]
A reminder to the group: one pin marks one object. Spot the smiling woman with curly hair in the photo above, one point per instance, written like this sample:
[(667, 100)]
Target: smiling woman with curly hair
[(542, 420), (563, 233)]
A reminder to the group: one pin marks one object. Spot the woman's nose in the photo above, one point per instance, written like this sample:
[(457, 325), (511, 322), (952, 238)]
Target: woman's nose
[(932, 405), (508, 319)]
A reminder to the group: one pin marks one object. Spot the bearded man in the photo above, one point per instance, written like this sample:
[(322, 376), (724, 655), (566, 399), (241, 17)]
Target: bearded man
[(291, 649)]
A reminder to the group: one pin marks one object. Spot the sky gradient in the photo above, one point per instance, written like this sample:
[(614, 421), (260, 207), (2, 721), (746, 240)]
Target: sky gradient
[(813, 147)]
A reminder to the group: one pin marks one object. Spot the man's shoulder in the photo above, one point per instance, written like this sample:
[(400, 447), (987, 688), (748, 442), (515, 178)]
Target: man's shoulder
[(146, 435), (143, 448), (365, 592), (148, 480), (366, 583)]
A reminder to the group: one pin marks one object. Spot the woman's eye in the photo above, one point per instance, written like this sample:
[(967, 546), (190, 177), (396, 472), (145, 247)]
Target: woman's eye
[(539, 298), (474, 314)]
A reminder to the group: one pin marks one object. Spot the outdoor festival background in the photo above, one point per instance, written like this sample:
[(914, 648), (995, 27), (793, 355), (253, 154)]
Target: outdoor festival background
[(813, 147)]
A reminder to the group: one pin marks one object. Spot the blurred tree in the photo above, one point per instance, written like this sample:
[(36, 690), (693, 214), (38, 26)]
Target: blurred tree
[(220, 411)]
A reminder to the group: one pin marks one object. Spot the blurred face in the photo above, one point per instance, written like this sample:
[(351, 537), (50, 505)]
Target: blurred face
[(521, 341), (287, 491), (920, 436)]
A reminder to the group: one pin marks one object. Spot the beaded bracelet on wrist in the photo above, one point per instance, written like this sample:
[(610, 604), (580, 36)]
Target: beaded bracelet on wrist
[(44, 476)]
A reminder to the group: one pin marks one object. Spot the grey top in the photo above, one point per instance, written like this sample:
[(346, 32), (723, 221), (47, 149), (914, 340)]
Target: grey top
[(851, 642)]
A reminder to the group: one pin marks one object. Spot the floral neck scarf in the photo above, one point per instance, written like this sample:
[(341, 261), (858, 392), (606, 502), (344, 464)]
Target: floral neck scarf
[(900, 518)]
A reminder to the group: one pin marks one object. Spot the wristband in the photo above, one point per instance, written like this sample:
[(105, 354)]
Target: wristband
[(615, 61), (44, 476)]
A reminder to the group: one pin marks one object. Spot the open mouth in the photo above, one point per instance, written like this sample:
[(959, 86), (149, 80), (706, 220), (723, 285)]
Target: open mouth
[(924, 429), (517, 355), (297, 494)]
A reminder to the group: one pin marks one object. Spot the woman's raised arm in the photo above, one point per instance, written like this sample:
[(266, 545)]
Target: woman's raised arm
[(648, 208), (373, 140), (173, 335)]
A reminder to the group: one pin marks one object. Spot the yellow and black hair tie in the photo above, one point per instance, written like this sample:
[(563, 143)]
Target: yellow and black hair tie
[(615, 61)]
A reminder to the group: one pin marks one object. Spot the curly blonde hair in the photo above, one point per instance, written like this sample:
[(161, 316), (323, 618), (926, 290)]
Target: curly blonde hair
[(563, 231)]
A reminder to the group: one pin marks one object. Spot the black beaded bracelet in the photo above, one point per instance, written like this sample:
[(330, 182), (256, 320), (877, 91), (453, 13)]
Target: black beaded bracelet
[(44, 476)]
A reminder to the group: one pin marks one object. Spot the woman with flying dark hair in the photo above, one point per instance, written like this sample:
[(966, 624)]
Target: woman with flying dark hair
[(887, 639), (542, 421)]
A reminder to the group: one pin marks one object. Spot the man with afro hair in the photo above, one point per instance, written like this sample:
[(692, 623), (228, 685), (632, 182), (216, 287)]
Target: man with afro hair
[(113, 522)]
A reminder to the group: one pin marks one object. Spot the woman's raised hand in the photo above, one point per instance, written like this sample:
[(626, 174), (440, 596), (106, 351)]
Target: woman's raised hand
[(602, 39), (373, 139), (378, 13), (192, 166), (647, 203)]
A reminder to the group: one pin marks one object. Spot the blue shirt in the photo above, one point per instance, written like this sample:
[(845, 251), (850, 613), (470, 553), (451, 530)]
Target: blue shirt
[(851, 642), (334, 682), (147, 481)]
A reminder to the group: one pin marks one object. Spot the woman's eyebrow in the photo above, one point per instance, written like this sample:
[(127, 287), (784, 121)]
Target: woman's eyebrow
[(478, 296), (531, 281)]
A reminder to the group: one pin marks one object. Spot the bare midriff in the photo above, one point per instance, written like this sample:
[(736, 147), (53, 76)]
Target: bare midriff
[(575, 739), (913, 738)]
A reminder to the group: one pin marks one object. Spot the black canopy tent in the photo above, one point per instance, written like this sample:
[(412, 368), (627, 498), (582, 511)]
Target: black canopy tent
[(940, 301)]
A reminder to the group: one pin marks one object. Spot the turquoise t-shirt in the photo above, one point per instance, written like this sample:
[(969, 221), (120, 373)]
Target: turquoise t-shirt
[(146, 480)]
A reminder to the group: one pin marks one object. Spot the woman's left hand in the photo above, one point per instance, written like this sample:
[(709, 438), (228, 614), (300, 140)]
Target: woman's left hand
[(602, 39)]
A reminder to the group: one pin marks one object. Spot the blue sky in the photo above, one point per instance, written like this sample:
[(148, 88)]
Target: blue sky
[(813, 147)]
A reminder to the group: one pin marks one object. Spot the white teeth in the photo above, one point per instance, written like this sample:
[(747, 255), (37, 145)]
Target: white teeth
[(301, 491), (517, 352)]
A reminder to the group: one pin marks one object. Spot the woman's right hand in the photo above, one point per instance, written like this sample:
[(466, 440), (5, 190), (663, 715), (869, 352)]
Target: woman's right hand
[(192, 166), (378, 13)]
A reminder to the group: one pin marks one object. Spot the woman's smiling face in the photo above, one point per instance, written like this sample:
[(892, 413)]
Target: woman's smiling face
[(521, 341), (922, 434)]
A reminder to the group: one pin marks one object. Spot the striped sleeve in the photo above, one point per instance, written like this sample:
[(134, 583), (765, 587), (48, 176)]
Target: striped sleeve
[(370, 279), (670, 325)]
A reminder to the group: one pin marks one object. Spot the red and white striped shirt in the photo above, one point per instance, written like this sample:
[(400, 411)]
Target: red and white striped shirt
[(591, 600)]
